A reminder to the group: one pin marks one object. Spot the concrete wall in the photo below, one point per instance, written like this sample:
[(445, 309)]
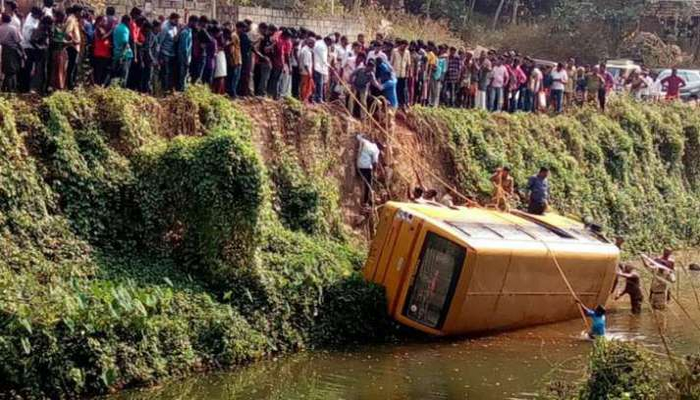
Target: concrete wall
[(222, 12), (322, 26)]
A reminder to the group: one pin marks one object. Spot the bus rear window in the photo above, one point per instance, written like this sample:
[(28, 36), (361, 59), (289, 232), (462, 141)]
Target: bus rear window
[(431, 293)]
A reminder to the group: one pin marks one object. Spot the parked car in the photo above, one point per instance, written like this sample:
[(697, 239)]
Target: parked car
[(621, 70), (692, 82)]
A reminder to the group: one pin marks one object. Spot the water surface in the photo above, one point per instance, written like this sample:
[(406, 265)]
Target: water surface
[(510, 365)]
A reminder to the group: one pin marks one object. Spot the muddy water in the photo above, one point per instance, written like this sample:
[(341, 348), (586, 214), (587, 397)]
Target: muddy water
[(510, 365)]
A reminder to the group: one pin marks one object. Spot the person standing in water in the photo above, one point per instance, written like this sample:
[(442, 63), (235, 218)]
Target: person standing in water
[(597, 317), (660, 287), (632, 287)]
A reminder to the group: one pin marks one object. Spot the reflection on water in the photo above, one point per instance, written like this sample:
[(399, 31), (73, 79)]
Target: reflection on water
[(509, 365)]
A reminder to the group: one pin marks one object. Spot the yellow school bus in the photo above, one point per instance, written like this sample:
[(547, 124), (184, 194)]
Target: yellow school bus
[(458, 270)]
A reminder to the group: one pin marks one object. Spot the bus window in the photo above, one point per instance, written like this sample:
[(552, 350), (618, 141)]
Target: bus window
[(476, 230), (544, 233), (439, 267), (510, 232)]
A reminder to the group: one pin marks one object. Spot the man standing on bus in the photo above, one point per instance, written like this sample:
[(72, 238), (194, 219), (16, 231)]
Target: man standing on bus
[(503, 188), (538, 191)]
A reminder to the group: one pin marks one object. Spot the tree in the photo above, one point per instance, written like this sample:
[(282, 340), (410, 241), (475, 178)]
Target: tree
[(498, 14), (612, 20)]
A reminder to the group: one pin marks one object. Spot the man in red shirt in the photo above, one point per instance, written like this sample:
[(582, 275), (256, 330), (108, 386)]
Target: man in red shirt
[(673, 85), (282, 43)]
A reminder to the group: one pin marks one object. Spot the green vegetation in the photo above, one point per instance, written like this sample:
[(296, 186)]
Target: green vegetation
[(620, 370), (634, 170), (143, 239), (130, 253)]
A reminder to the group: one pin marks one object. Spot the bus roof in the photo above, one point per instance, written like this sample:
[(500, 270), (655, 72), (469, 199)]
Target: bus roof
[(483, 223)]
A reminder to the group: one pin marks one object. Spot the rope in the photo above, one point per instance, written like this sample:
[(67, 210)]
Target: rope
[(454, 190), (568, 285), (390, 137)]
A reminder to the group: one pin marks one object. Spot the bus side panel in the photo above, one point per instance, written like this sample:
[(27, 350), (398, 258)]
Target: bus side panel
[(533, 291), (489, 269)]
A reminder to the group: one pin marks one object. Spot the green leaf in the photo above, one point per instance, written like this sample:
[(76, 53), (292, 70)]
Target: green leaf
[(70, 324), (25, 323), (140, 308), (109, 376), (26, 345), (168, 281)]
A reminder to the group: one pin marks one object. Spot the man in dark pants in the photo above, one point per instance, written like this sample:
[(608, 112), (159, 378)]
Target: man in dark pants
[(31, 23), (246, 58), (367, 160), (538, 190), (73, 24)]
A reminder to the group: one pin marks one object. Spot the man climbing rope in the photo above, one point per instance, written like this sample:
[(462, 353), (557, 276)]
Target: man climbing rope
[(597, 317), (367, 160)]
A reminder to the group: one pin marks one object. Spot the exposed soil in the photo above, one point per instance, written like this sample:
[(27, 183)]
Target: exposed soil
[(406, 158)]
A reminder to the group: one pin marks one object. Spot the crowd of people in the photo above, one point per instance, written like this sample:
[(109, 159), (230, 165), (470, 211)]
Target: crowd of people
[(52, 49)]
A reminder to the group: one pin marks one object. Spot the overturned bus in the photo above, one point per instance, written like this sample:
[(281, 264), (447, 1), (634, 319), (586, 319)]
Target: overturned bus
[(453, 271)]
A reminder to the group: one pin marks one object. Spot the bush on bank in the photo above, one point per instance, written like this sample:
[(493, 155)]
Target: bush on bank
[(620, 370), (635, 169), (130, 253)]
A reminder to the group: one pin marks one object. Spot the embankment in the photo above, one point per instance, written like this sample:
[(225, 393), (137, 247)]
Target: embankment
[(142, 239), (634, 170)]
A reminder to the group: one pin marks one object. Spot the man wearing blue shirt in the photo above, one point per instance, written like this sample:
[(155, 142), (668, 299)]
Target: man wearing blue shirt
[(597, 317), (167, 50), (184, 52), (121, 50), (538, 190)]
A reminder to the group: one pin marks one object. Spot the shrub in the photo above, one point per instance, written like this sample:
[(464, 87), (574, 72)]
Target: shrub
[(128, 256), (631, 169), (621, 370)]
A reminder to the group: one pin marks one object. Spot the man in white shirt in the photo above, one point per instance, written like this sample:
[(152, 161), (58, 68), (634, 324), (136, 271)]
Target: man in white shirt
[(367, 160), (341, 50), (559, 80), (350, 63), (30, 24), (376, 52), (347, 68), (648, 85), (499, 80), (534, 87), (48, 8), (321, 70), (11, 10), (401, 62), (306, 70)]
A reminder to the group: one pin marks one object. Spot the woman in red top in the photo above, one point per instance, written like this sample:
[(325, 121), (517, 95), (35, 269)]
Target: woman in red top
[(102, 53)]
